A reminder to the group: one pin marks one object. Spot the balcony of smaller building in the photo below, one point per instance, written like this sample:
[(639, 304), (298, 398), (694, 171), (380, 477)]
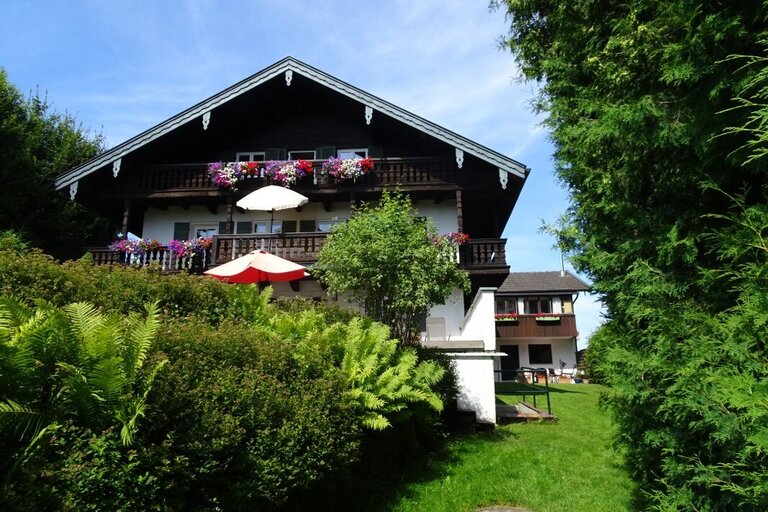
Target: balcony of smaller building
[(541, 325)]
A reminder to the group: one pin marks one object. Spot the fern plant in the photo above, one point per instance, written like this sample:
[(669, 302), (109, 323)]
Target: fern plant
[(383, 378), (72, 363)]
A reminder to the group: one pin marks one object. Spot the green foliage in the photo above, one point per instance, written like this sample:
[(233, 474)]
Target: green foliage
[(390, 262), (110, 287), (383, 380), (260, 403), (254, 422), (70, 364), (668, 182), (36, 144)]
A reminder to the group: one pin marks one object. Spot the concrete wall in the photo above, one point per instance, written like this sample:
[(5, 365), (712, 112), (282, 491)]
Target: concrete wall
[(479, 322), (453, 313), (475, 383)]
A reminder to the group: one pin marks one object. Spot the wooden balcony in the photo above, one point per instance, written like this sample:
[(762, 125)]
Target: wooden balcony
[(533, 326), (476, 256), (481, 255), (298, 247), (163, 258), (191, 179)]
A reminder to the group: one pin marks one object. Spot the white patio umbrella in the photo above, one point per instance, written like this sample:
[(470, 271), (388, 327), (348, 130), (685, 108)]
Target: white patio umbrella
[(270, 199)]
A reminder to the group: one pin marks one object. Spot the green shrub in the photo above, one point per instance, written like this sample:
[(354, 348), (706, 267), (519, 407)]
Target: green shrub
[(34, 275), (81, 470)]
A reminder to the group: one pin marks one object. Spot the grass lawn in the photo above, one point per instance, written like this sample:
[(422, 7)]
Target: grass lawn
[(545, 467)]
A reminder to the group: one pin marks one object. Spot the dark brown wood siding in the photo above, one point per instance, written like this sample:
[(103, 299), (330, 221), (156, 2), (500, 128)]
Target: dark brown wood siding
[(527, 326)]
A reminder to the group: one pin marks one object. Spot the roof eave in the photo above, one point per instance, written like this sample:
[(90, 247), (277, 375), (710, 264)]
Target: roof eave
[(504, 163)]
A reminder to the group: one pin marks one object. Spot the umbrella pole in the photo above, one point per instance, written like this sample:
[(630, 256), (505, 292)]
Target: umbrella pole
[(271, 222)]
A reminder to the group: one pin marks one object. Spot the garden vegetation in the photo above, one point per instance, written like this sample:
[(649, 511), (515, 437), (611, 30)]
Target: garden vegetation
[(125, 389), (658, 116)]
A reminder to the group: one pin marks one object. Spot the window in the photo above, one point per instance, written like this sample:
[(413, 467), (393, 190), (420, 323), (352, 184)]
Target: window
[(287, 226), (252, 156), (506, 305), (325, 225), (303, 154), (540, 354), (203, 230), (262, 226), (307, 226), (352, 153), (534, 305)]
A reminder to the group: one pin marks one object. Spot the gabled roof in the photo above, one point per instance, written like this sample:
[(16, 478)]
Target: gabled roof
[(541, 282), (289, 64)]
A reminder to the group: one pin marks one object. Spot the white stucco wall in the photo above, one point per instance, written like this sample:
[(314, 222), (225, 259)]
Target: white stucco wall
[(453, 313), (562, 350), (475, 382), (158, 224), (479, 323)]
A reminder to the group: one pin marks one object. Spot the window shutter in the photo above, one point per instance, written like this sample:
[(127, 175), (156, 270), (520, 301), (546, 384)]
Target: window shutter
[(307, 226), (180, 230), (223, 228), (289, 226), (375, 151), (275, 154), (243, 227), (325, 152)]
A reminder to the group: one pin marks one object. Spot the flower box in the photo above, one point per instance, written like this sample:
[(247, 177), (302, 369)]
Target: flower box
[(506, 317), (548, 318)]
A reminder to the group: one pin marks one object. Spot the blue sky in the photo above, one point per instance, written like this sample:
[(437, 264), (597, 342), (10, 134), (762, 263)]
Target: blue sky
[(122, 67)]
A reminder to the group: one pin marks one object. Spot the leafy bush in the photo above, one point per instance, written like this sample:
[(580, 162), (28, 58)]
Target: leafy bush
[(110, 287), (262, 402), (254, 422)]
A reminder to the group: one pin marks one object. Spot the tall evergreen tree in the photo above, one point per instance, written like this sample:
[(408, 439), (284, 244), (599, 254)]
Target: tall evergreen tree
[(36, 144), (667, 217)]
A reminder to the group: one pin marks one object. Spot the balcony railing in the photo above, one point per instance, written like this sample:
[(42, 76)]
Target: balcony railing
[(555, 325), (480, 254), (298, 247), (386, 172), (162, 258), (483, 254), (476, 255)]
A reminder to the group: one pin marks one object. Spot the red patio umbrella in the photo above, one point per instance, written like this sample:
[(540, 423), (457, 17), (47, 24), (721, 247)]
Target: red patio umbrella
[(257, 267)]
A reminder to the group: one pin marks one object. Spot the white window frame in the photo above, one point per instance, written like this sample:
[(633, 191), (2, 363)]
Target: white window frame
[(291, 153), (208, 226), (276, 227), (331, 222), (253, 156), (354, 151)]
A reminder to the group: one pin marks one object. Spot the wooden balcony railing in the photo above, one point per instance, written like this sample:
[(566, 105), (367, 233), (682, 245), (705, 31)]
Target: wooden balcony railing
[(556, 325), (481, 254), (162, 258), (386, 172), (298, 247)]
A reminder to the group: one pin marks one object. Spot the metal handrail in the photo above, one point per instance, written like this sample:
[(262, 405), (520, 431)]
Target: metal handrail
[(525, 388)]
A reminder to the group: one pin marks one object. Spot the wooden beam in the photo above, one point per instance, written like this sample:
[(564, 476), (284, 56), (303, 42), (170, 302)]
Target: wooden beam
[(230, 208), (459, 212), (126, 217)]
